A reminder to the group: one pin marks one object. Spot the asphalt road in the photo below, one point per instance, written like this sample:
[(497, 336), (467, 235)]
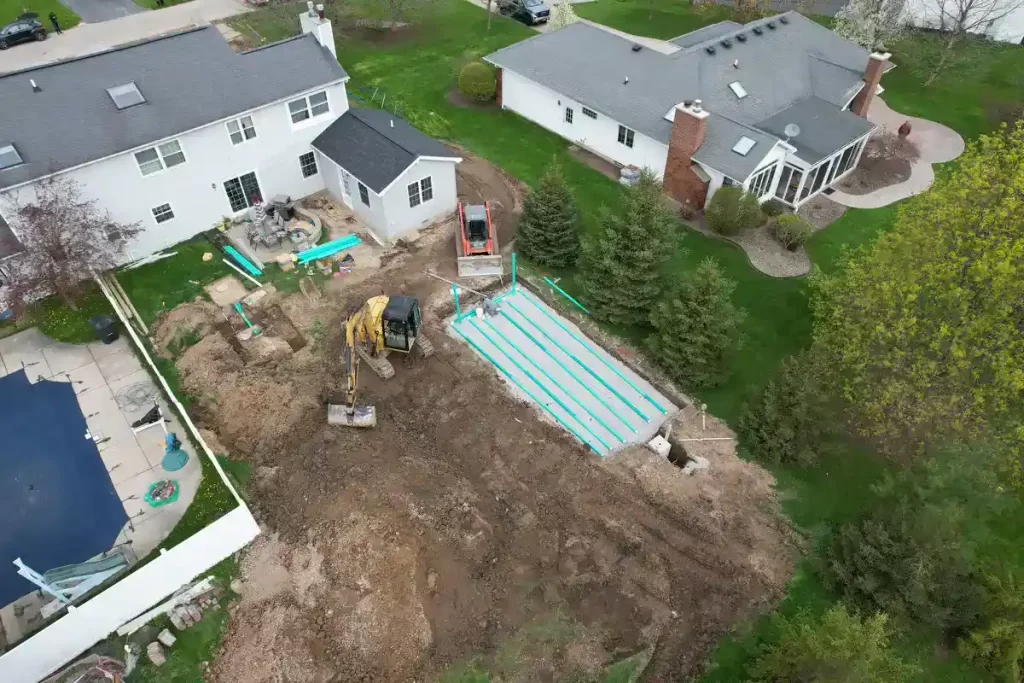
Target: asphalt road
[(95, 11)]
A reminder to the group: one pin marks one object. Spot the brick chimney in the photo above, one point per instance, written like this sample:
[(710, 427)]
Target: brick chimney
[(872, 77), (313, 21), (688, 127), (497, 86)]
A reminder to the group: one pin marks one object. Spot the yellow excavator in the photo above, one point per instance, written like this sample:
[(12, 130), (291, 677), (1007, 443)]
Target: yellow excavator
[(381, 325)]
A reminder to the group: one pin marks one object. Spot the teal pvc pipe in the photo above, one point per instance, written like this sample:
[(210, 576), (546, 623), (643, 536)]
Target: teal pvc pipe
[(583, 365), (534, 380), (513, 271), (458, 307), (529, 393), (575, 377), (242, 261), (557, 383), (599, 356), (566, 295), (328, 248)]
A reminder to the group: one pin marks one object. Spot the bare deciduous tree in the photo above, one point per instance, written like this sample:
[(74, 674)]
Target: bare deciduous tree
[(872, 24), (959, 18), (66, 239), (397, 11)]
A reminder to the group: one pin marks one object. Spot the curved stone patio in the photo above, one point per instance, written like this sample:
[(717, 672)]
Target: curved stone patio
[(936, 142)]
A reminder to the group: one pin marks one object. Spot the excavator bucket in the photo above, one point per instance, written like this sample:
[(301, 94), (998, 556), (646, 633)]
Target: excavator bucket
[(363, 416)]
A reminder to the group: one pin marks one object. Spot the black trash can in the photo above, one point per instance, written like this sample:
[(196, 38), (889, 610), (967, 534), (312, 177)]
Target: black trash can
[(105, 327)]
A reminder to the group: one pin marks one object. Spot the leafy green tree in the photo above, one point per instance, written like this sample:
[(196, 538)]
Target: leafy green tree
[(549, 232), (998, 642), (621, 266), (791, 417), (925, 327), (697, 328), (838, 646), (913, 552)]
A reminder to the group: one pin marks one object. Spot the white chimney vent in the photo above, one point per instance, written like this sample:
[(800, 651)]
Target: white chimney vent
[(35, 88), (735, 63), (392, 123), (309, 8), (625, 81)]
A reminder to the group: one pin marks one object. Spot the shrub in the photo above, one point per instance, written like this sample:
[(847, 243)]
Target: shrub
[(838, 646), (998, 642), (791, 231), (773, 208), (476, 80), (791, 417), (732, 210), (697, 328)]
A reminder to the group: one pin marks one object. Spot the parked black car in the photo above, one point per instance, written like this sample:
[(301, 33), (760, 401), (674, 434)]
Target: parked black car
[(529, 12), (21, 31)]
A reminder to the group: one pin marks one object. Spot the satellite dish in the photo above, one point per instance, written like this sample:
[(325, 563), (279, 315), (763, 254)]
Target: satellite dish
[(791, 130)]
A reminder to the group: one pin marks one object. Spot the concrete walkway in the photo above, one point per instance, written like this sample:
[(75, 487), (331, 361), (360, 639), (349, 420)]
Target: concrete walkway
[(937, 143), (87, 39)]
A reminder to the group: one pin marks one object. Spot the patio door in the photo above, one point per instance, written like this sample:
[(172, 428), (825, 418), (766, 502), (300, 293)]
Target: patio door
[(243, 192), (346, 188)]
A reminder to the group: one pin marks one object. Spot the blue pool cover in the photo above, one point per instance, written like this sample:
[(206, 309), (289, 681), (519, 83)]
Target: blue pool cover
[(57, 503)]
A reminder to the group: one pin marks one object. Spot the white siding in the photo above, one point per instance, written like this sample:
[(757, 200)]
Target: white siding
[(401, 218), (777, 155), (547, 108), (195, 189)]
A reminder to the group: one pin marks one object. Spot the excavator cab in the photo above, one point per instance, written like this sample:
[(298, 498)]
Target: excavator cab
[(401, 322)]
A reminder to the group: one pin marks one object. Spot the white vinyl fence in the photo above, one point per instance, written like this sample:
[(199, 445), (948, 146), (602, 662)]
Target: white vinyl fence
[(82, 627)]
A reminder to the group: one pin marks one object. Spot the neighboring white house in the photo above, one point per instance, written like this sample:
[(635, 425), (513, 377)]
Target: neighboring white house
[(395, 177), (179, 132), (777, 106), (1001, 20)]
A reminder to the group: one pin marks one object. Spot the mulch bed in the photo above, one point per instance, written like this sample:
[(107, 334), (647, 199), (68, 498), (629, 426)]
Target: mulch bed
[(873, 174), (456, 97), (821, 211)]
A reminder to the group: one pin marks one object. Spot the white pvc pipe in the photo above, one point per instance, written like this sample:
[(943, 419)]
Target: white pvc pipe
[(242, 272), (170, 394)]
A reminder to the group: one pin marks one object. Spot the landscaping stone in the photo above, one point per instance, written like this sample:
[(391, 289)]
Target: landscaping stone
[(166, 638), (156, 654), (195, 613), (177, 622)]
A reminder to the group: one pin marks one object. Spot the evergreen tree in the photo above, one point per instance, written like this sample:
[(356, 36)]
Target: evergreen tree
[(697, 328), (620, 271), (549, 227)]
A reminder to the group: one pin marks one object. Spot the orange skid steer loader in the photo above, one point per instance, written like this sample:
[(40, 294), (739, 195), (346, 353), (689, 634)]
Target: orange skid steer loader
[(476, 245)]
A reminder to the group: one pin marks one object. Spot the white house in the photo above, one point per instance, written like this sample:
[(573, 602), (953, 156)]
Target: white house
[(1001, 20), (777, 106), (392, 175), (179, 132)]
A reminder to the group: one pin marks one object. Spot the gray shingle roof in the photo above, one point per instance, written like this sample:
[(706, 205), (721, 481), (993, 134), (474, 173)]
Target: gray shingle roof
[(375, 146), (778, 68), (823, 129), (706, 33), (189, 79)]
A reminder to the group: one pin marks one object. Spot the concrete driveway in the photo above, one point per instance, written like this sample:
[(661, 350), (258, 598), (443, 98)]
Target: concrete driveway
[(95, 11), (86, 39)]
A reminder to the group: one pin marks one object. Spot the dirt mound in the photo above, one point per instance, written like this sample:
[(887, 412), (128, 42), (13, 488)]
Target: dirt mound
[(194, 319), (465, 524)]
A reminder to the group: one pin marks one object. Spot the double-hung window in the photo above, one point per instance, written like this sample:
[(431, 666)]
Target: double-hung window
[(308, 107), (241, 130), (626, 136), (421, 191), (307, 163), (163, 213), (156, 159), (364, 195), (568, 114)]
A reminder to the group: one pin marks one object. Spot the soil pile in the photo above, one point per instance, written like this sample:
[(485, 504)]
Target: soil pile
[(194, 319)]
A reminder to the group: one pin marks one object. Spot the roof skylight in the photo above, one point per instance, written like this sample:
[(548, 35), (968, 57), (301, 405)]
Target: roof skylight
[(743, 146), (737, 89), (126, 95), (9, 156)]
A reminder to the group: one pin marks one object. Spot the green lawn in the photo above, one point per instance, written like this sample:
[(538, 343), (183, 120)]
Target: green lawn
[(12, 9), (655, 19)]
